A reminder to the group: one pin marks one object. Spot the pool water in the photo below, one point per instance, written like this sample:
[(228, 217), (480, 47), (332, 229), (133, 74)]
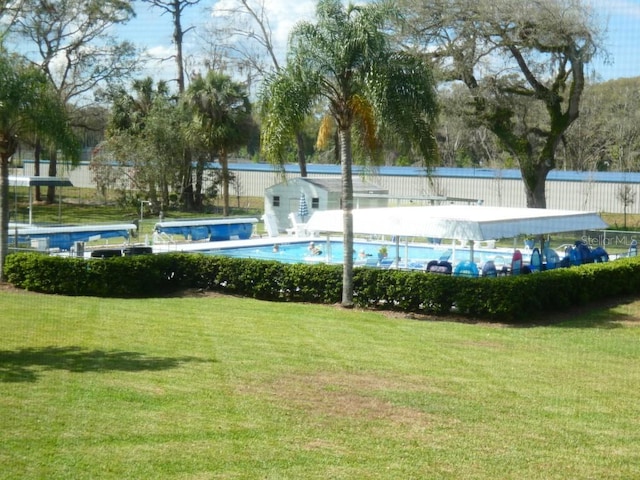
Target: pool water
[(413, 256)]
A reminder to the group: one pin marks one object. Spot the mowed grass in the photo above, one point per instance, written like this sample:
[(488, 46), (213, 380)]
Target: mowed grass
[(203, 387)]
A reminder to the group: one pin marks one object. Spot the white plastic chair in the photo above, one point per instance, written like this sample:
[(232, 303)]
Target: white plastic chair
[(298, 229), (271, 224)]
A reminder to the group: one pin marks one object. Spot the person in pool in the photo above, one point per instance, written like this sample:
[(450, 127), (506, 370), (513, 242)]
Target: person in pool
[(363, 255), (313, 250)]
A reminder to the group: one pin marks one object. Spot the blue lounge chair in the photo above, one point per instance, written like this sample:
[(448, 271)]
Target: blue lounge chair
[(443, 267), (466, 268), (552, 258), (535, 263), (599, 255), (489, 269)]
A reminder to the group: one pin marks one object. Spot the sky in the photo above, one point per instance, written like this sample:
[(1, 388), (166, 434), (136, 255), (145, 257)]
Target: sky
[(623, 38), (153, 31)]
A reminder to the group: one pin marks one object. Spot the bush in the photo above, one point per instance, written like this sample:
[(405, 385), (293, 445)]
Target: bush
[(511, 299)]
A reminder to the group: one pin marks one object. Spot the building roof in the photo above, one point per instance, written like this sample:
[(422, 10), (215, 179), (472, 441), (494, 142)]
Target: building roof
[(446, 172), (335, 185)]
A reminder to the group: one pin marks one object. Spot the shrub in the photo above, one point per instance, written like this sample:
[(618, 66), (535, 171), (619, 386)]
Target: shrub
[(499, 299)]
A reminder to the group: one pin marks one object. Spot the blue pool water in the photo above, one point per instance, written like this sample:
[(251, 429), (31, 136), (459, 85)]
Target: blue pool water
[(418, 255)]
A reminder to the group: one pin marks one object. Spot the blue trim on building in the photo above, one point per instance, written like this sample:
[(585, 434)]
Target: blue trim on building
[(444, 172), (452, 172)]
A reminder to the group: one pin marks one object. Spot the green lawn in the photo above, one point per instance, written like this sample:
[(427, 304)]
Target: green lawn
[(207, 387)]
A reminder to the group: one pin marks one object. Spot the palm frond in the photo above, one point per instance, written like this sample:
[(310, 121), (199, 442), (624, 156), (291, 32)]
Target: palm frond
[(364, 114)]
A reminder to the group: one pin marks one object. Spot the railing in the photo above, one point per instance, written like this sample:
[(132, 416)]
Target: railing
[(164, 239)]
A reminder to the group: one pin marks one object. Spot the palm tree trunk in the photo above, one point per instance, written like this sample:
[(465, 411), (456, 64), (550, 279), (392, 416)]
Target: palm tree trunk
[(37, 150), (225, 182), (187, 181), (197, 197), (4, 212), (302, 160), (53, 171), (347, 222)]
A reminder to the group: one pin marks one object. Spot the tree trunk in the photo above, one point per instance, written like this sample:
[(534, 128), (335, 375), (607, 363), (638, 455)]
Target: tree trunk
[(197, 194), (187, 182), (534, 176), (347, 210), (302, 161), (225, 182), (177, 38), (37, 150), (53, 171), (4, 212)]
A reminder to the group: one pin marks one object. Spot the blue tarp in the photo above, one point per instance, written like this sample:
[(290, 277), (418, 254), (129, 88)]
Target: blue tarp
[(214, 232)]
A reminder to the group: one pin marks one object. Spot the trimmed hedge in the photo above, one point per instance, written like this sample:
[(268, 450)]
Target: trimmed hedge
[(510, 298)]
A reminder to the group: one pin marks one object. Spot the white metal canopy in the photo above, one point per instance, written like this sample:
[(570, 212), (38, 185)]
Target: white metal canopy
[(460, 222), (22, 181)]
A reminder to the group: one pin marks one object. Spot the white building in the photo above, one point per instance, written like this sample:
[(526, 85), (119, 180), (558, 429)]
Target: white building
[(565, 190), (283, 198)]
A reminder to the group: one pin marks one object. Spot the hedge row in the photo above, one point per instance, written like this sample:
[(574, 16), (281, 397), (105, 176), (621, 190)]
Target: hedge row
[(500, 299)]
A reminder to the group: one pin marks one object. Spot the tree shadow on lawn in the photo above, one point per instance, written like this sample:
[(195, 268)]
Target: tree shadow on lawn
[(606, 314), (24, 365)]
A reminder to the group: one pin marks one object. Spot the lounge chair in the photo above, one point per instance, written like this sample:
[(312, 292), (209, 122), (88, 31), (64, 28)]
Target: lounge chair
[(297, 228), (445, 256), (489, 269), (442, 266), (599, 255), (466, 268), (271, 224), (584, 251), (535, 263)]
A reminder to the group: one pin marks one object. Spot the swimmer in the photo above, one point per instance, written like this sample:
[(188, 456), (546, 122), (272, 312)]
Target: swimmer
[(313, 250)]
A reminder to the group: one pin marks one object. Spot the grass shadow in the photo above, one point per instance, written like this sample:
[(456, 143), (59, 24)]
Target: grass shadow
[(25, 365), (596, 315)]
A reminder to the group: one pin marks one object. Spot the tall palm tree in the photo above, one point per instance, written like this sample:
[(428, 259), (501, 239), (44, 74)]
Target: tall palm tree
[(347, 60), (222, 120), (28, 105)]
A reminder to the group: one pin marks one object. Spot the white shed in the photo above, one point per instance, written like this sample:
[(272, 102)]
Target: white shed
[(320, 194)]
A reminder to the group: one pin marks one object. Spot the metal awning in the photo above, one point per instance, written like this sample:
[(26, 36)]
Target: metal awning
[(24, 181), (459, 222)]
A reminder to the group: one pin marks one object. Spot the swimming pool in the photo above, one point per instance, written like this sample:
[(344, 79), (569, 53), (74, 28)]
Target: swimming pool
[(411, 256)]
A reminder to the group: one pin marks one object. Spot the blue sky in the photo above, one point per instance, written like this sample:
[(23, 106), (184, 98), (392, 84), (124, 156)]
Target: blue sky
[(623, 38), (154, 32)]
